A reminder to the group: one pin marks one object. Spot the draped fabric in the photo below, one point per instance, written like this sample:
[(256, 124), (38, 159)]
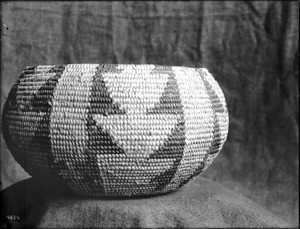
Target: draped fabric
[(251, 48)]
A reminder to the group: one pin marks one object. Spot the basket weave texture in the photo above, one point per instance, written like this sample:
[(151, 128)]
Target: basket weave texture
[(116, 130)]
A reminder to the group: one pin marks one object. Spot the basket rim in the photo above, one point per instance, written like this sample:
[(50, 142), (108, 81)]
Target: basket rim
[(196, 66)]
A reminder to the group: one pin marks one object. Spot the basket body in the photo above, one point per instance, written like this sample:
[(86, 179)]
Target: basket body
[(115, 130)]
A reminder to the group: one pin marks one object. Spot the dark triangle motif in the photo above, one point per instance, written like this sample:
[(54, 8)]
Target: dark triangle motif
[(173, 147)]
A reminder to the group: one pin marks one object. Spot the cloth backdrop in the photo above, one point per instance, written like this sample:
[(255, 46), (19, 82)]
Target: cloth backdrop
[(251, 48)]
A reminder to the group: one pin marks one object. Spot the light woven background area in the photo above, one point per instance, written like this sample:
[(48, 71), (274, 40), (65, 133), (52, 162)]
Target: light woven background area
[(251, 48)]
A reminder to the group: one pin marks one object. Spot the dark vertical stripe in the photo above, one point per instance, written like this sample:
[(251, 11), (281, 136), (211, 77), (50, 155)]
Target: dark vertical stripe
[(101, 103), (173, 147), (42, 102), (217, 106), (99, 141)]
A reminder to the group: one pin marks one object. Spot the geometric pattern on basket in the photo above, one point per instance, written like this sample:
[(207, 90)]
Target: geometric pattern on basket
[(116, 130)]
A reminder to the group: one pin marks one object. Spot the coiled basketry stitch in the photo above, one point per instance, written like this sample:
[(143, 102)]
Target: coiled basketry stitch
[(116, 130)]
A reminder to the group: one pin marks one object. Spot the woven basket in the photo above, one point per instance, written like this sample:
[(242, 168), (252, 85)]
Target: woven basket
[(115, 130)]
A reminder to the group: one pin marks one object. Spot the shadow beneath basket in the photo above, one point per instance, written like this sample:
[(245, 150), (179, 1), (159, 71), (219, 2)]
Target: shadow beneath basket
[(82, 196), (24, 203)]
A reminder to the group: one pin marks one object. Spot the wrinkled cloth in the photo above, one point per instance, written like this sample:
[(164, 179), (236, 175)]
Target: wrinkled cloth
[(250, 47), (201, 203)]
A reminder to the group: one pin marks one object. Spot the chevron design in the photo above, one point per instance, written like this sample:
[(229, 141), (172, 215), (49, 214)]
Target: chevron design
[(116, 130)]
